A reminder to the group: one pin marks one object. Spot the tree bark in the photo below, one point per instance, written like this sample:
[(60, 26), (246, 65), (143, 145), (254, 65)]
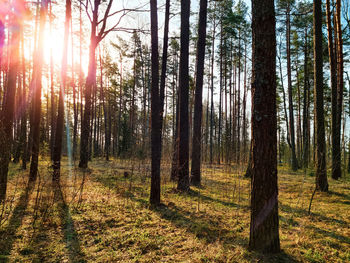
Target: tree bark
[(264, 223), (36, 84), (7, 111), (333, 69), (197, 125), (56, 158), (320, 160), (306, 99), (336, 153), (183, 162), (89, 86), (155, 109), (290, 94)]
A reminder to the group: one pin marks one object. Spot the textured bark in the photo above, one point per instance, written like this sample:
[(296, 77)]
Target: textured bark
[(333, 69), (36, 85), (52, 91), (183, 162), (89, 85), (220, 92), (290, 94), (336, 153), (348, 79), (320, 158), (197, 121), (264, 224), (212, 94), (283, 93), (244, 118), (238, 102), (7, 111), (56, 157), (23, 136), (306, 99), (155, 109), (248, 172), (164, 60)]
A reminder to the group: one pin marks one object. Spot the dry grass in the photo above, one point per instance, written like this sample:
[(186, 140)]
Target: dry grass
[(101, 216)]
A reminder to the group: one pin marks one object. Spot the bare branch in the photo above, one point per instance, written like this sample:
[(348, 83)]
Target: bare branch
[(105, 17)]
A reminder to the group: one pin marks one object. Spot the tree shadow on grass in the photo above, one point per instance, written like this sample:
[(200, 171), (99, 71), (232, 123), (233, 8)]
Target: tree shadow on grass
[(341, 195), (70, 235), (198, 194), (203, 227), (210, 231), (326, 233), (8, 235), (304, 213)]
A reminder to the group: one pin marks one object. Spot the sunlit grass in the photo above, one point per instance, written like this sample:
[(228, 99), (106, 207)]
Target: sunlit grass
[(108, 218)]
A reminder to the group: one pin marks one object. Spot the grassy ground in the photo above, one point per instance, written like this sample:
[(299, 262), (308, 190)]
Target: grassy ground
[(101, 216)]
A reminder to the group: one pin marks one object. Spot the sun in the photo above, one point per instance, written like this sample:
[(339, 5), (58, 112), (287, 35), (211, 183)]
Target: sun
[(53, 47)]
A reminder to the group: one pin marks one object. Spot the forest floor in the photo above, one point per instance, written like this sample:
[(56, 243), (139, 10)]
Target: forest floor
[(99, 215)]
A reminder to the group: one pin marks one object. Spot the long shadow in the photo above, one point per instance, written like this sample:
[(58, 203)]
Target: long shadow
[(304, 212), (331, 234), (206, 229), (210, 231), (8, 235), (75, 253), (344, 196), (196, 193)]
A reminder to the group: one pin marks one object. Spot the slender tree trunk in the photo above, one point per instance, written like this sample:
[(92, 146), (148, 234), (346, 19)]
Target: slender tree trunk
[(155, 108), (183, 162), (290, 94), (306, 98), (197, 126), (239, 101), (60, 116), (264, 224), (212, 94), (336, 153), (164, 66), (299, 136), (333, 69), (284, 94), (23, 139), (244, 125), (89, 87), (7, 111), (321, 172), (220, 92), (36, 82), (52, 92), (347, 77)]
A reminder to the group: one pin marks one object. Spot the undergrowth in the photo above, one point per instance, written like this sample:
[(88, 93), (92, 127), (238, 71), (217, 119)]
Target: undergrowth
[(103, 215)]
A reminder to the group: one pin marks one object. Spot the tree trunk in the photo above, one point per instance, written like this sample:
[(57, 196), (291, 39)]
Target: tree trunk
[(56, 158), (52, 92), (290, 94), (306, 100), (333, 69), (197, 125), (7, 111), (336, 153), (36, 84), (183, 162), (320, 160), (264, 223), (89, 86), (155, 109), (212, 95)]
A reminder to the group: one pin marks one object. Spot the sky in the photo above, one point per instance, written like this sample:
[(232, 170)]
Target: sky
[(54, 36)]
